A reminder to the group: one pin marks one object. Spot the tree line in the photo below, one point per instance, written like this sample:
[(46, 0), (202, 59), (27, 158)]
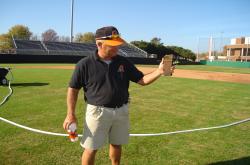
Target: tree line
[(23, 32), (155, 46)]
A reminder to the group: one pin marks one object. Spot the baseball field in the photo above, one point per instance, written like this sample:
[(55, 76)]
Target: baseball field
[(170, 104)]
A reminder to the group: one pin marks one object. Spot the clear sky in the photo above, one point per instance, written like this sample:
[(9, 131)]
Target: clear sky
[(176, 22)]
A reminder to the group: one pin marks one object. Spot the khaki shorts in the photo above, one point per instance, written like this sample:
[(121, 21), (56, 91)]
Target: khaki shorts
[(103, 123)]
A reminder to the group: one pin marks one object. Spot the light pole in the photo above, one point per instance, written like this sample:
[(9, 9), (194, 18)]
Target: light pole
[(198, 46), (71, 26), (221, 42), (210, 48)]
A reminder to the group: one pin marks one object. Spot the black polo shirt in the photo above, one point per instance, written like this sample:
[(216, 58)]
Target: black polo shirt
[(105, 84)]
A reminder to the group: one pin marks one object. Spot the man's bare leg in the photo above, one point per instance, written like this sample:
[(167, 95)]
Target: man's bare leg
[(115, 152), (88, 157)]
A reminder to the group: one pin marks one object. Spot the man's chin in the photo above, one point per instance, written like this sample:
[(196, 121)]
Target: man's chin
[(112, 54)]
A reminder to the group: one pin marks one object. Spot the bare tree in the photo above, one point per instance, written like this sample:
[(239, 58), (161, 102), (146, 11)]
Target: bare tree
[(64, 39), (34, 37), (50, 35)]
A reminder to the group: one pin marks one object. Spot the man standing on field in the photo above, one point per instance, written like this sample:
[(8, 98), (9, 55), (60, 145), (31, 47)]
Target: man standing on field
[(104, 77)]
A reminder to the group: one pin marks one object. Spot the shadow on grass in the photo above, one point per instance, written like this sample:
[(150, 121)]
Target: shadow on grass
[(240, 161), (28, 84)]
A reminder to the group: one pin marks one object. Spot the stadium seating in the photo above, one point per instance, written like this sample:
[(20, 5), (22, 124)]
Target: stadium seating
[(28, 44), (29, 47), (66, 48), (130, 50)]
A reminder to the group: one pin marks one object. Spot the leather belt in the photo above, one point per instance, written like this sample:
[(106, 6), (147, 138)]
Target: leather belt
[(114, 105)]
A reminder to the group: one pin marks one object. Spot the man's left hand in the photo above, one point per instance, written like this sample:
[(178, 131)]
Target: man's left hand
[(161, 68)]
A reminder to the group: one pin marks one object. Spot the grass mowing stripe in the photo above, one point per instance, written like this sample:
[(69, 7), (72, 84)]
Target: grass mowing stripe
[(208, 68)]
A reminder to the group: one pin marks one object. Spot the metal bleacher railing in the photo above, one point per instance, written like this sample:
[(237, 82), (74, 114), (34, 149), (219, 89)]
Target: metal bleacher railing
[(29, 47), (66, 48), (129, 50)]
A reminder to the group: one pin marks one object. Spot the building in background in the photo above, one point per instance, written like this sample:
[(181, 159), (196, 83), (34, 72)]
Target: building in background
[(238, 50)]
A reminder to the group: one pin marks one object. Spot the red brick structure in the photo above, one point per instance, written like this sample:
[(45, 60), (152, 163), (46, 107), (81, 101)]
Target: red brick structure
[(238, 50)]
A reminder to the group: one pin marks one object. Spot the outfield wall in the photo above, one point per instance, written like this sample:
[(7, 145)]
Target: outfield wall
[(17, 58), (234, 64)]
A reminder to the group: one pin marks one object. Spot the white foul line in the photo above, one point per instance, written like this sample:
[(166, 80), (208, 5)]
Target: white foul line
[(152, 134)]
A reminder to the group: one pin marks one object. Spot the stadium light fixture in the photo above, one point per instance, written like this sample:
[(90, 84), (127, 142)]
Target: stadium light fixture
[(71, 25)]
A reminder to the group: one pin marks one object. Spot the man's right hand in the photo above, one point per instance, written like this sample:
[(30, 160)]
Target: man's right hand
[(72, 95), (68, 120)]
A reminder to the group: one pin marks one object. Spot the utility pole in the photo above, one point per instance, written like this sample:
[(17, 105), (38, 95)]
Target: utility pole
[(198, 46), (210, 48), (72, 14), (221, 42)]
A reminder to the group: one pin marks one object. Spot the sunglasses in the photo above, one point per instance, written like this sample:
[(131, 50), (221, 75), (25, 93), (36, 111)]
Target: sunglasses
[(113, 36)]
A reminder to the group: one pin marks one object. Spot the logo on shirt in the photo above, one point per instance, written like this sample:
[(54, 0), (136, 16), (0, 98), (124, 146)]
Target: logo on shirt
[(121, 69)]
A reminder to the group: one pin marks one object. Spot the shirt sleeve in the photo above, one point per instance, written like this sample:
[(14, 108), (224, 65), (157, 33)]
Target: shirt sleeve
[(134, 74), (77, 77)]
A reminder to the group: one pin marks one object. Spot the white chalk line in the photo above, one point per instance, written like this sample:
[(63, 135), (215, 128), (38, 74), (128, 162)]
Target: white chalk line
[(152, 134)]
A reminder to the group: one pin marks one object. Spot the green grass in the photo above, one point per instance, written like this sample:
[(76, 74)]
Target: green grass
[(215, 68), (209, 68), (36, 64), (187, 67), (169, 104)]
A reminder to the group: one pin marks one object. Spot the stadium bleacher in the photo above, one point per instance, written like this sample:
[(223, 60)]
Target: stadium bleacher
[(29, 47), (130, 50), (67, 48), (28, 44)]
